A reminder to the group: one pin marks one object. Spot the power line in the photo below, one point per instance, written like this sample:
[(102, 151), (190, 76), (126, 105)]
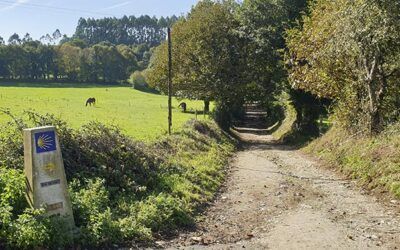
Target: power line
[(33, 5)]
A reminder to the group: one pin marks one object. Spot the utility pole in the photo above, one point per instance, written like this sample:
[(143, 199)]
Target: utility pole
[(169, 81)]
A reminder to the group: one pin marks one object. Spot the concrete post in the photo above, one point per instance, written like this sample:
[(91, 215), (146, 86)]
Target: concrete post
[(45, 174)]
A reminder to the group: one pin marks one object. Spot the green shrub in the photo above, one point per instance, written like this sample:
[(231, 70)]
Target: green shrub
[(132, 229), (29, 230), (5, 221), (92, 213), (104, 152), (102, 229), (12, 184), (139, 82), (61, 234), (88, 200), (121, 190), (163, 213)]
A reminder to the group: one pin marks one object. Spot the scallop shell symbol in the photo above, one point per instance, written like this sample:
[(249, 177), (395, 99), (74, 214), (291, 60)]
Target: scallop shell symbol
[(44, 142)]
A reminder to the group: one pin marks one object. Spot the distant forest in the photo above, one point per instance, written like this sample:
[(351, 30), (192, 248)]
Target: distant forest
[(101, 50), (126, 30)]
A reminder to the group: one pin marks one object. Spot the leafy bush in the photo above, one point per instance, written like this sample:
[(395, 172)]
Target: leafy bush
[(121, 190), (138, 81), (29, 230), (88, 200), (102, 229), (21, 226), (104, 152), (132, 229), (163, 213), (12, 184), (5, 221)]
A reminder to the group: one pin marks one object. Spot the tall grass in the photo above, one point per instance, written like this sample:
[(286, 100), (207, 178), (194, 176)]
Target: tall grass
[(373, 161)]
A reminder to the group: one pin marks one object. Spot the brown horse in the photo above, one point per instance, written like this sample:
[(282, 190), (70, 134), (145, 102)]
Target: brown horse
[(91, 101), (183, 106)]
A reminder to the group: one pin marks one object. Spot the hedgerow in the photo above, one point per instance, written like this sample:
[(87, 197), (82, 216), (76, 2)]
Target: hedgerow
[(123, 192)]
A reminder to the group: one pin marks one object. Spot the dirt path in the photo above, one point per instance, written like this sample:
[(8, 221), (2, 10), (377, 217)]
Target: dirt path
[(276, 198)]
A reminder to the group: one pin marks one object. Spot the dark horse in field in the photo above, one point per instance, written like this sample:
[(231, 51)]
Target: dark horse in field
[(91, 101), (183, 106)]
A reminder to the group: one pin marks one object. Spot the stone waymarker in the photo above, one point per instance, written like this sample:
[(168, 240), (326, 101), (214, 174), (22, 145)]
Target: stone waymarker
[(44, 169)]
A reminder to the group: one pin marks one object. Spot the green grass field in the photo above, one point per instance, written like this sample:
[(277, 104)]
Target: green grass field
[(139, 114)]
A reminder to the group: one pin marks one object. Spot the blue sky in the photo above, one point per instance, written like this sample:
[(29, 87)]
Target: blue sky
[(39, 17)]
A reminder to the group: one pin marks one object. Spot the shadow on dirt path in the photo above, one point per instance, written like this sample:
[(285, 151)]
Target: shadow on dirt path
[(277, 198)]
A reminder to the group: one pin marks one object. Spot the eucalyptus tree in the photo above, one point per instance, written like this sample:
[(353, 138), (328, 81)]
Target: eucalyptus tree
[(17, 61), (126, 30), (14, 39), (56, 36), (27, 38)]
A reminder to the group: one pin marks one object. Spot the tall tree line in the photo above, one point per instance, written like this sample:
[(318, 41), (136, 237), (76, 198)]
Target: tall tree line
[(126, 30)]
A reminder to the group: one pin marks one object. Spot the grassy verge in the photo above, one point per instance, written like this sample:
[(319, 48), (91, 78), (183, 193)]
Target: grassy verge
[(123, 192), (287, 132), (374, 162), (286, 127)]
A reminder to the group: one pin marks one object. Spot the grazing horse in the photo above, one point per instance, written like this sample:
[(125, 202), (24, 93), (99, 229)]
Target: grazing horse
[(91, 101), (183, 106)]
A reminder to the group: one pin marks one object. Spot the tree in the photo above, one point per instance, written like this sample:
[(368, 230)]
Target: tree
[(47, 61), (262, 27), (77, 43), (56, 36), (130, 63), (206, 57), (14, 39), (65, 39), (34, 65), (68, 61), (46, 39), (4, 71), (27, 38), (18, 62), (138, 81), (349, 51)]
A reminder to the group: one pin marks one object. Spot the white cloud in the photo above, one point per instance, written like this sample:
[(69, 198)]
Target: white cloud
[(13, 5), (115, 6)]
